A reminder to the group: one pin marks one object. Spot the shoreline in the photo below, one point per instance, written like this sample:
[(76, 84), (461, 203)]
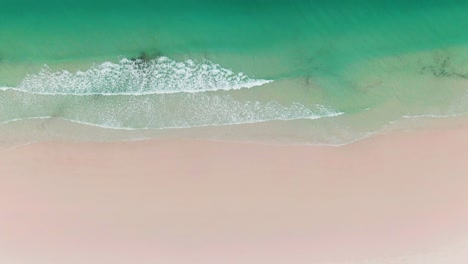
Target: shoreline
[(17, 133), (233, 132), (387, 197)]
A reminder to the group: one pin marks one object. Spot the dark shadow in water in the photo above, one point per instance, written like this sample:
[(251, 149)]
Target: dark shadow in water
[(145, 57), (44, 124), (142, 57), (59, 110), (311, 64), (57, 114), (442, 68), (96, 96)]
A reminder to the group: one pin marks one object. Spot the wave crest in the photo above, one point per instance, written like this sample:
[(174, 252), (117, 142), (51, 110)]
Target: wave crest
[(138, 77)]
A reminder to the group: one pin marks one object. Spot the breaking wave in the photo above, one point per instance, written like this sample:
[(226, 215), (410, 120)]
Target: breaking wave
[(138, 77), (146, 95)]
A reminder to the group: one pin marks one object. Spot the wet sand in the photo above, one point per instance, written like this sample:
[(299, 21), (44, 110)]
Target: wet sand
[(387, 199)]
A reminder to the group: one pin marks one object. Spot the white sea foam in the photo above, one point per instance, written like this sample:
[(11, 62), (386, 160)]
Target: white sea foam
[(13, 120), (433, 115), (172, 95), (117, 127), (138, 77), (161, 111)]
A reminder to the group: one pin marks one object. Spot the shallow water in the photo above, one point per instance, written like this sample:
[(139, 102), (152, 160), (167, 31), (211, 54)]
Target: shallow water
[(327, 73)]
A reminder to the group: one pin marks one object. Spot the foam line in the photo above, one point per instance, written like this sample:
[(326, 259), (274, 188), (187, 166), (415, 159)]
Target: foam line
[(137, 77)]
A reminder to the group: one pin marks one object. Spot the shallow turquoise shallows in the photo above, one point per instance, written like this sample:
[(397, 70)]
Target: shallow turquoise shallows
[(323, 72)]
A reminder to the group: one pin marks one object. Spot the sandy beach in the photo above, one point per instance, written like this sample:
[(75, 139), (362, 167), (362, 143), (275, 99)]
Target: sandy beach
[(387, 199), (233, 132)]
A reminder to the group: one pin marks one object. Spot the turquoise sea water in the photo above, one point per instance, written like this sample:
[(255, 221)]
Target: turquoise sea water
[(322, 72)]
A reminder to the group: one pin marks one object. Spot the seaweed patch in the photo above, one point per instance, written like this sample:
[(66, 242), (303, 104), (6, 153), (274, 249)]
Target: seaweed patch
[(442, 67)]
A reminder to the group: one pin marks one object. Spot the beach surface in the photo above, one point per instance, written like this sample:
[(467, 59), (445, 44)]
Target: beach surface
[(395, 198)]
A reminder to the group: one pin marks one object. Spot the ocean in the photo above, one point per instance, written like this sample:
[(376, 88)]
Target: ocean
[(300, 72)]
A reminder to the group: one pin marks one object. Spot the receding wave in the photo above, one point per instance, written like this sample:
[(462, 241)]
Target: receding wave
[(183, 110), (433, 115), (137, 77), (146, 95)]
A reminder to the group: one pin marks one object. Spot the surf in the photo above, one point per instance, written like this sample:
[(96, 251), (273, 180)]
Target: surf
[(137, 77), (183, 110)]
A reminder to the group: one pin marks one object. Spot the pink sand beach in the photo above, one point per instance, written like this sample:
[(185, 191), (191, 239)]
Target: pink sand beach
[(395, 198)]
